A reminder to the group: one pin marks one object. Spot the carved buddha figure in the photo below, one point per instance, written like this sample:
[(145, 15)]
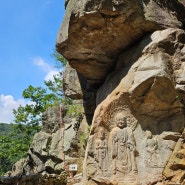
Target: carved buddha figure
[(101, 153), (123, 147), (152, 159)]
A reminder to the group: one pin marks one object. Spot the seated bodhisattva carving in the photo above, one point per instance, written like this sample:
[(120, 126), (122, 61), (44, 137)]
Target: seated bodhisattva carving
[(123, 149)]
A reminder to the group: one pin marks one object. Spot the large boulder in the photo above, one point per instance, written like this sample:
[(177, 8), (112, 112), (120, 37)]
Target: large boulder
[(51, 119), (95, 32)]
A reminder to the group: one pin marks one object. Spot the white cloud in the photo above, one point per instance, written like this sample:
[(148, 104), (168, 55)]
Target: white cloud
[(39, 61), (7, 104), (44, 66), (50, 75)]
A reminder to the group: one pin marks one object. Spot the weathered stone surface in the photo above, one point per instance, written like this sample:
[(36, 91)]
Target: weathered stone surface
[(140, 118), (174, 169), (71, 83), (50, 151), (35, 179), (95, 32), (17, 168), (51, 120), (164, 46)]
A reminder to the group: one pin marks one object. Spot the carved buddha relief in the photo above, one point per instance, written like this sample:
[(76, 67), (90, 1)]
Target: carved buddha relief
[(123, 150), (98, 155), (152, 157), (112, 148), (101, 153)]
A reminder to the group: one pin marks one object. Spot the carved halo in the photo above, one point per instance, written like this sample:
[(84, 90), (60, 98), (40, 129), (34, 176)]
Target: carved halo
[(113, 110)]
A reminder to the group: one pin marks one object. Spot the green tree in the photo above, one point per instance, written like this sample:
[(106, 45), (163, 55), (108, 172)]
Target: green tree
[(60, 60), (15, 145), (40, 99)]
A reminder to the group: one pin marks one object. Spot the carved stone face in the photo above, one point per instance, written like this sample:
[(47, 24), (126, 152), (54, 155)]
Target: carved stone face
[(120, 120), (117, 2), (101, 133), (148, 134)]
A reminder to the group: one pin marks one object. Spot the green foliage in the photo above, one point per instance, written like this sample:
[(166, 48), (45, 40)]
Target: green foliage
[(15, 145), (5, 164), (55, 86), (5, 128), (67, 101), (84, 138), (40, 98), (75, 110), (59, 59)]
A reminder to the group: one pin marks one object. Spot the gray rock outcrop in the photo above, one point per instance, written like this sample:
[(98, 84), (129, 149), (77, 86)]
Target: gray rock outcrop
[(72, 83)]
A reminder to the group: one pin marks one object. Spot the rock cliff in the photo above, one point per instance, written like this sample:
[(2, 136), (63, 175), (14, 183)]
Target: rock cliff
[(94, 33), (130, 55)]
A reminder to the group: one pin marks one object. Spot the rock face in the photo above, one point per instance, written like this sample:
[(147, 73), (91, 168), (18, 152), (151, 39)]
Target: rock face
[(46, 152), (72, 83), (137, 126), (95, 32), (132, 54)]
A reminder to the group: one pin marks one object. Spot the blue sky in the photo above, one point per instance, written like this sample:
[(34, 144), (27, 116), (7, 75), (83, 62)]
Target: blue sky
[(28, 31)]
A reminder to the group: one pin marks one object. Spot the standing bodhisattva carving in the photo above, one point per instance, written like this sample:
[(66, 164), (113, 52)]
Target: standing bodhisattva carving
[(123, 149), (152, 158), (101, 155)]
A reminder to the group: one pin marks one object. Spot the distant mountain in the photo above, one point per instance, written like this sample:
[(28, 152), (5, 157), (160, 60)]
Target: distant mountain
[(5, 128)]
